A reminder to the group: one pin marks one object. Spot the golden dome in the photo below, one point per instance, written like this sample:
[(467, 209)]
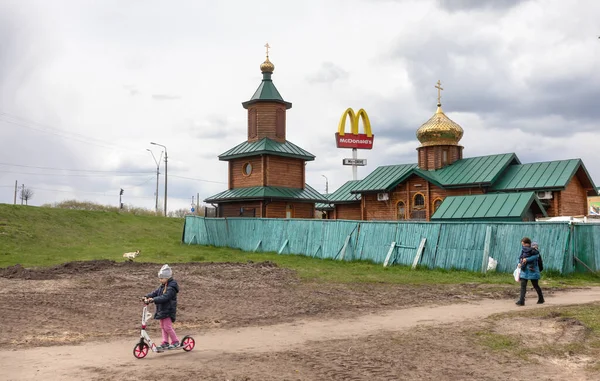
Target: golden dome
[(439, 130), (267, 66)]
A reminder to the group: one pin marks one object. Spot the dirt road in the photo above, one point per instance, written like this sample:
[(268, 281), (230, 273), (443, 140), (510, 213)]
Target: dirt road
[(114, 359)]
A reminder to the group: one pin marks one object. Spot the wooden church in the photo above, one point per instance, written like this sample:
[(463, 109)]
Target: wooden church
[(267, 172)]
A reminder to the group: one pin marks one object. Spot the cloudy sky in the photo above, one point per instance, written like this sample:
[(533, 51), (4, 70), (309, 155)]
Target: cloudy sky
[(85, 86)]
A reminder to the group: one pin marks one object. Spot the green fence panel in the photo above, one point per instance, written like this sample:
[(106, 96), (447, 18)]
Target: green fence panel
[(244, 233), (297, 237), (408, 238), (553, 240), (587, 246), (314, 238), (374, 240), (194, 231), (460, 246), (335, 233), (273, 232), (216, 229)]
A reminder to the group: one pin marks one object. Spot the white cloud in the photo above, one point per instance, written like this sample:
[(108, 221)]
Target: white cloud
[(86, 77)]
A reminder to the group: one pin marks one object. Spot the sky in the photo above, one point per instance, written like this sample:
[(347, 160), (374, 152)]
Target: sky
[(85, 86)]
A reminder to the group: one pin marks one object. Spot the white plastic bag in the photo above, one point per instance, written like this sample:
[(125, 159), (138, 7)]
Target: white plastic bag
[(492, 263), (517, 274)]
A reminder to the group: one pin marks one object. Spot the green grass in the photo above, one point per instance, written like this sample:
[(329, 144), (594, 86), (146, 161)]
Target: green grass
[(497, 342), (33, 236)]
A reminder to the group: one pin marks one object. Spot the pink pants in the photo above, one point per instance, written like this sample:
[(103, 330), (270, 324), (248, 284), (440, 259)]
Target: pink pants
[(167, 331)]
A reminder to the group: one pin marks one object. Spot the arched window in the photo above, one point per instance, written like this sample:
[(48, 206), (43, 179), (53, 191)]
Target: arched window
[(419, 201), (401, 210), (436, 204)]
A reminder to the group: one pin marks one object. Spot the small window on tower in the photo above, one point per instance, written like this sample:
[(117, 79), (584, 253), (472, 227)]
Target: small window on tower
[(445, 157), (247, 169)]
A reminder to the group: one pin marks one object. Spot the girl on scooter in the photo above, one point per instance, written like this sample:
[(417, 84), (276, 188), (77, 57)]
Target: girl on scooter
[(165, 299)]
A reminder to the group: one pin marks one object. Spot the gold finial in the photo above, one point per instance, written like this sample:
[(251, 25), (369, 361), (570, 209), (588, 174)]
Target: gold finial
[(440, 88), (267, 66)]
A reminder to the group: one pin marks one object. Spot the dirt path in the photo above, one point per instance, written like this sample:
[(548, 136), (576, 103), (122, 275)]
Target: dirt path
[(80, 361)]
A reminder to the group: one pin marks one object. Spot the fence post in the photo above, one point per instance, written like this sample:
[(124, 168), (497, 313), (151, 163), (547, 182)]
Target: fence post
[(389, 254), (419, 253), (486, 249)]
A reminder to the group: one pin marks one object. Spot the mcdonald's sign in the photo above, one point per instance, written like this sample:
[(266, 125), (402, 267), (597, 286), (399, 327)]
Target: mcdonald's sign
[(354, 139)]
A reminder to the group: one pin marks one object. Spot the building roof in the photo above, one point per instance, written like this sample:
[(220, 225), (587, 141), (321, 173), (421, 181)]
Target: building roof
[(549, 175), (383, 178), (482, 170), (266, 92), (342, 195), (261, 193), (491, 206), (266, 146)]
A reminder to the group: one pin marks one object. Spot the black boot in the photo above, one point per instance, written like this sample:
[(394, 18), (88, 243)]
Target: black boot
[(541, 300), (520, 303)]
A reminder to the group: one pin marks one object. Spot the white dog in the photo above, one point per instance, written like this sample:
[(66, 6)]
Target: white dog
[(131, 255)]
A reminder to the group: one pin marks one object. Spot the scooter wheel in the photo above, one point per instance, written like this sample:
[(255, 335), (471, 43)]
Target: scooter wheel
[(188, 343), (140, 350)]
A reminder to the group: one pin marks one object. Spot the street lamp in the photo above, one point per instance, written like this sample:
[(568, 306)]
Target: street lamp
[(157, 173), (160, 145), (326, 184)]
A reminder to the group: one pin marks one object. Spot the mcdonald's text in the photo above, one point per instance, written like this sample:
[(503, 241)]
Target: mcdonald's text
[(359, 141)]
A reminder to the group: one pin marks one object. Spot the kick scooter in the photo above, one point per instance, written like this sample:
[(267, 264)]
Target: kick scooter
[(145, 344)]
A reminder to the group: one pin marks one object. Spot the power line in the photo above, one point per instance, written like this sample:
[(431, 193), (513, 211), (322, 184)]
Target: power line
[(73, 170), (80, 191), (77, 174), (30, 124), (191, 178)]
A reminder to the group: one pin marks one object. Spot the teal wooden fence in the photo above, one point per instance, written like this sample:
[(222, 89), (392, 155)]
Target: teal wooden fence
[(457, 245)]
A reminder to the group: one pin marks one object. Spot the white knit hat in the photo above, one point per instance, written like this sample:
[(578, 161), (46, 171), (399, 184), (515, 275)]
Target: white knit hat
[(165, 272)]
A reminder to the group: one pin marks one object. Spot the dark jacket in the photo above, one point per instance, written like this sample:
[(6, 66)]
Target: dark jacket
[(166, 301), (530, 270)]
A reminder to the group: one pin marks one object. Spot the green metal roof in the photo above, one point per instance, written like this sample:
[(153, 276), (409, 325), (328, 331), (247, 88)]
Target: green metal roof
[(324, 206), (482, 170), (497, 206), (341, 196), (260, 193), (383, 178), (266, 92), (266, 146), (536, 176)]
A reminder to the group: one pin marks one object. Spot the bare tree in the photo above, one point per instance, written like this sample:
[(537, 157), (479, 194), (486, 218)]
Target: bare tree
[(25, 194)]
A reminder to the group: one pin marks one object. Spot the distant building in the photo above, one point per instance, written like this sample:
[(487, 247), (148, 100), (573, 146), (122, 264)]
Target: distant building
[(444, 186)]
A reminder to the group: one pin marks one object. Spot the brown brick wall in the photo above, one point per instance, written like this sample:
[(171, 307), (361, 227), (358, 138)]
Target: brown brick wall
[(431, 157), (573, 200), (285, 172), (348, 211), (405, 192), (232, 209), (237, 179), (299, 210), (266, 117)]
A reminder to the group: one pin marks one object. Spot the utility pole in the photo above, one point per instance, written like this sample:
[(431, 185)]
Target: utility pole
[(197, 203), (16, 186), (157, 175), (156, 144), (121, 194)]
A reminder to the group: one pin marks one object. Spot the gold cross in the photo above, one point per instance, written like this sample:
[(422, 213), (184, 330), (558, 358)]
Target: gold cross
[(439, 87), (267, 46)]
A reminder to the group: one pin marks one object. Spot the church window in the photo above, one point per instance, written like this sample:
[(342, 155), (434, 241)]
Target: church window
[(252, 123), (445, 157), (436, 204), (280, 123), (419, 201), (401, 209)]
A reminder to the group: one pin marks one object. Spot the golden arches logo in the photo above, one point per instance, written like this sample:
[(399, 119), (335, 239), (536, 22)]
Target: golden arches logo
[(354, 119)]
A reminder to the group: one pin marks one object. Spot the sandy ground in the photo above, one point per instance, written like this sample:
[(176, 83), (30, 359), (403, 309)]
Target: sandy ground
[(256, 321)]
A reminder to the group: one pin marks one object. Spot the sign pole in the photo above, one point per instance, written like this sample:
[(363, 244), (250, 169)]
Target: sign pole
[(354, 166)]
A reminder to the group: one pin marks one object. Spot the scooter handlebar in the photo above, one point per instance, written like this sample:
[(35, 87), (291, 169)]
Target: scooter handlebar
[(145, 300)]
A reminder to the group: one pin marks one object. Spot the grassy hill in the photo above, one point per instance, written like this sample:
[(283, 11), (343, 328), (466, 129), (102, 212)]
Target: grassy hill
[(34, 236)]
